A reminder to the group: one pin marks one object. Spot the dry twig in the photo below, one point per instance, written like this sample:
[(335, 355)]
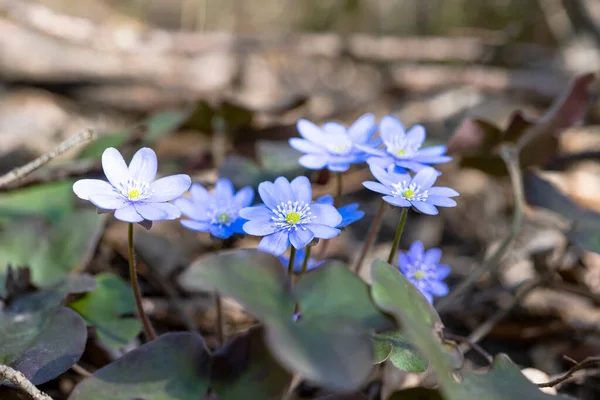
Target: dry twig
[(20, 381), (585, 364)]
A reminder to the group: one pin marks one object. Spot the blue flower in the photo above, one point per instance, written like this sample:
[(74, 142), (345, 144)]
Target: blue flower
[(299, 259), (403, 149), (132, 191), (401, 190), (422, 269), (350, 213), (287, 216), (217, 213), (333, 145)]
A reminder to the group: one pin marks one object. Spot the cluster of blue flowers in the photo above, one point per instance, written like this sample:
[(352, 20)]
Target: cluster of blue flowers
[(288, 216)]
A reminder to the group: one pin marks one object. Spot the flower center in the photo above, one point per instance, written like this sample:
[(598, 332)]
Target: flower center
[(134, 194), (222, 214), (134, 190), (223, 218), (290, 215), (401, 147), (339, 145), (411, 192), (419, 275)]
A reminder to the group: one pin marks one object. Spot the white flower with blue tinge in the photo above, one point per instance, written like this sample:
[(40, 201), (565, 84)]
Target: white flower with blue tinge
[(403, 149), (334, 146)]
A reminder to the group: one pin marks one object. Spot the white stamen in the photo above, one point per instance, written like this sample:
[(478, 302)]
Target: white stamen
[(409, 191), (294, 215), (222, 214), (401, 147), (134, 190), (339, 145)]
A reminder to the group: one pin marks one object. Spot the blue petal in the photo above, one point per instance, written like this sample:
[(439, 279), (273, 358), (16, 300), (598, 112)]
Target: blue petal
[(143, 165), (190, 208), (377, 187), (276, 243), (442, 191), (148, 212), (256, 212), (259, 227), (108, 201), (350, 214), (338, 167), (412, 165), (391, 127), (282, 185), (382, 175), (443, 271), (309, 131), (128, 214), (425, 208), (416, 250), (371, 148), (382, 161), (84, 188), (238, 226), (200, 194), (363, 129), (432, 256), (169, 188), (305, 146), (270, 195), (313, 161), (396, 201), (404, 263), (428, 296), (244, 197), (334, 128), (325, 214), (221, 231), (441, 201), (432, 159), (199, 226), (432, 151), (323, 231), (326, 199), (114, 166), (301, 189), (416, 135), (438, 288), (299, 238), (425, 178), (224, 190)]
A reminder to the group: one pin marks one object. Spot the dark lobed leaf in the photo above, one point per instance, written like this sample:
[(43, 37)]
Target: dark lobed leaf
[(245, 369), (175, 366), (396, 347)]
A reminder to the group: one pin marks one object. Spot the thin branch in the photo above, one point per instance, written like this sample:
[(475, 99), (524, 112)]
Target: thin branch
[(589, 361), (20, 381), (23, 171), (488, 357), (511, 158), (373, 231)]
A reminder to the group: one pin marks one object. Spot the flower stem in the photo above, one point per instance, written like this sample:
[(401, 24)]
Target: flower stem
[(150, 333), (305, 262), (338, 190), (291, 262), (220, 319), (398, 235), (373, 230)]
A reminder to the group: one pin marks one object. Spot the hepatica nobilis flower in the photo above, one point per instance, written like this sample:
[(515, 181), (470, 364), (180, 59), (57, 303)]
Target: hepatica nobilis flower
[(423, 269), (403, 149), (401, 190), (333, 145), (217, 213), (132, 191), (288, 216), (299, 259), (350, 213)]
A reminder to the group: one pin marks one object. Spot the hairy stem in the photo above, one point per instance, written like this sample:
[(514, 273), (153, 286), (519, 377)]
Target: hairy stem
[(291, 262), (373, 230), (19, 380), (305, 262), (150, 333), (220, 320), (398, 235), (338, 190)]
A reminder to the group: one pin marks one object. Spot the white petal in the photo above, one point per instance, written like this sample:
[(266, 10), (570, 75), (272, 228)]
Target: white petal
[(305, 146), (128, 214), (148, 212), (84, 188), (190, 208), (169, 209), (114, 166), (108, 201), (326, 214), (143, 165), (309, 131), (363, 129), (169, 188)]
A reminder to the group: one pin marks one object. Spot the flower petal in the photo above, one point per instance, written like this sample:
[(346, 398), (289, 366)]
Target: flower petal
[(313, 161), (171, 210), (396, 201), (338, 167), (128, 214), (432, 151), (431, 159), (309, 131), (442, 191), (334, 128), (148, 212), (404, 263), (325, 214), (411, 165), (169, 188), (350, 214), (259, 227), (441, 201), (305, 146), (255, 212), (382, 162), (432, 256), (299, 238), (84, 188), (282, 185), (382, 175), (276, 244), (190, 208), (438, 288), (443, 271), (302, 190), (244, 197), (200, 194), (377, 187), (371, 148), (425, 178), (391, 127), (363, 129), (323, 231), (199, 226), (269, 195), (326, 199), (108, 201), (428, 296), (143, 165), (223, 190), (425, 208), (221, 231), (114, 166), (416, 250), (416, 135)]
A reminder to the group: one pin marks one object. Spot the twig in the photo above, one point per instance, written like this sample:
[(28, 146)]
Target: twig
[(19, 380), (471, 344), (577, 367), (21, 172), (370, 237), (510, 157), (81, 371)]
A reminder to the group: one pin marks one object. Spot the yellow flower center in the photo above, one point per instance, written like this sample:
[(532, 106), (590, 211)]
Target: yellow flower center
[(134, 194), (223, 218), (419, 275), (400, 153), (408, 194), (292, 218)]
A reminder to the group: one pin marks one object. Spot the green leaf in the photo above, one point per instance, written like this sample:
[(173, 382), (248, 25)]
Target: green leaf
[(104, 309), (246, 369), (175, 366), (94, 150), (503, 381), (332, 290), (51, 201), (416, 394), (398, 349), (326, 348), (163, 123)]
